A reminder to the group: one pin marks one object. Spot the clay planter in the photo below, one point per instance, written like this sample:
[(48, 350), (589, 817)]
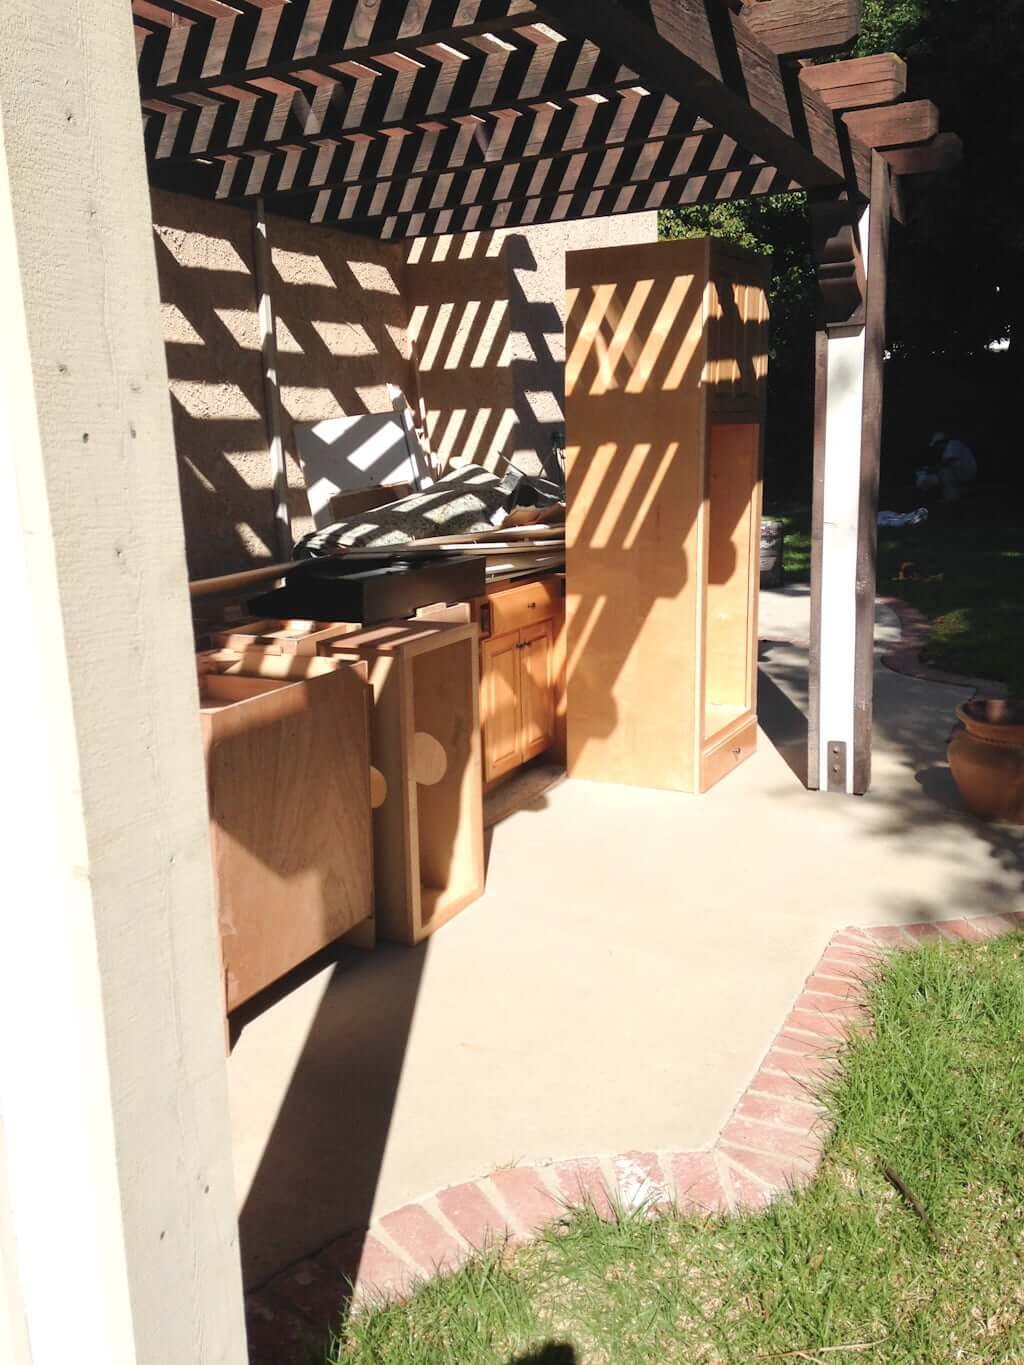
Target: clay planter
[(986, 757)]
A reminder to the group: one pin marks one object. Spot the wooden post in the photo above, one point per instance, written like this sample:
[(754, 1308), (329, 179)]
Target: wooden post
[(264, 271), (117, 1216), (870, 459), (851, 244)]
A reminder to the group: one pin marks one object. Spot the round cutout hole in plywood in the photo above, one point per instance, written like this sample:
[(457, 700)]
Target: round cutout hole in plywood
[(378, 788), (430, 762)]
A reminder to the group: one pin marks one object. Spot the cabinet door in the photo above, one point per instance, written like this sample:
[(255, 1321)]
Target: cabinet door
[(536, 693), (499, 704)]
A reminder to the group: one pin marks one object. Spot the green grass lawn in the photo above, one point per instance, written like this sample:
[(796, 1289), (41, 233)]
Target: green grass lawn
[(964, 568), (843, 1271)]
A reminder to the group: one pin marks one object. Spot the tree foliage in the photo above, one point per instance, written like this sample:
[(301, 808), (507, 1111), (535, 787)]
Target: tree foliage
[(957, 269)]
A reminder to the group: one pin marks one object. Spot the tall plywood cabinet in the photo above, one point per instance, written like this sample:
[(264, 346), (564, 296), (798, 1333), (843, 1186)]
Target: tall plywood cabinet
[(666, 360)]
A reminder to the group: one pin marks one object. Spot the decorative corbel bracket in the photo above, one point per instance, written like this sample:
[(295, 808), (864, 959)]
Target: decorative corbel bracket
[(839, 264)]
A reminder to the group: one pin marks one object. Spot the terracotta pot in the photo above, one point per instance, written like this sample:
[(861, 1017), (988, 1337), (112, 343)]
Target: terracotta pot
[(986, 757)]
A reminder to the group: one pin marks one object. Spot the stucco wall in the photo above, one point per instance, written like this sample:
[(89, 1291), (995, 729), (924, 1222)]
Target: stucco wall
[(488, 324), (483, 311), (342, 336)]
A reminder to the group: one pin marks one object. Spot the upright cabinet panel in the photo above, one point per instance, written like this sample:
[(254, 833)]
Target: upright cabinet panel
[(535, 689), (666, 362), (425, 742), (521, 673), (499, 694)]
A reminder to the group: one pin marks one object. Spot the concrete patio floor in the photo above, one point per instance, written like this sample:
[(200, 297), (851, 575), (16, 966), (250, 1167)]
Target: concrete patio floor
[(619, 983)]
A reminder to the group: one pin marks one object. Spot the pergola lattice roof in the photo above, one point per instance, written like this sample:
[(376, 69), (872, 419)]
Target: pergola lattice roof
[(408, 117)]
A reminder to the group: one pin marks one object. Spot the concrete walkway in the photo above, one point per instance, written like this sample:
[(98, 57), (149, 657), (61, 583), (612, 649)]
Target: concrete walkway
[(617, 987)]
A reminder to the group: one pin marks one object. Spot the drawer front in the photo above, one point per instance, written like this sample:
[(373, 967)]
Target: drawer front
[(520, 607)]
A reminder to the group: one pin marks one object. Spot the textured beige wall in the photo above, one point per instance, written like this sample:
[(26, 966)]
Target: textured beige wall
[(488, 323), (485, 312), (342, 336), (342, 331)]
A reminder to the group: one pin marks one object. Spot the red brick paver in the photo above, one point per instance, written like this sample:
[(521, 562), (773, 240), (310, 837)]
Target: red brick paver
[(469, 1210), (583, 1183), (772, 1140), (423, 1239)]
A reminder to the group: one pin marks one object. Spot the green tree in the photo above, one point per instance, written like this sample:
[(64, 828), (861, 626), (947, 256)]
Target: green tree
[(957, 268)]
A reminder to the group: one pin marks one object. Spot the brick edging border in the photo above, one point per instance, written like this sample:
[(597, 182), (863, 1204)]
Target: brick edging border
[(906, 657), (773, 1140)]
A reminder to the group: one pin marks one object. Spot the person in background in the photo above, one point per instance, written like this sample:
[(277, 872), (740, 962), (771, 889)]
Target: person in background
[(956, 470)]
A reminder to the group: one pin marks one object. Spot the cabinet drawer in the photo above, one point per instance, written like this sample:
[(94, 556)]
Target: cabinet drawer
[(522, 606)]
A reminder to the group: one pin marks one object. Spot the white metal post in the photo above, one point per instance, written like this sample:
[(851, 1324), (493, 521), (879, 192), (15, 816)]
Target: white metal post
[(836, 533), (118, 1235), (841, 493)]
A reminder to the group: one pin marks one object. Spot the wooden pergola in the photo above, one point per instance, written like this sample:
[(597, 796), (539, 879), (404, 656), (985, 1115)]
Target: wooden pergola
[(407, 118), (395, 118)]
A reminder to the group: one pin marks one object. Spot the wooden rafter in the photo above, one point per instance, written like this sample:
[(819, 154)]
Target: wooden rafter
[(603, 168), (352, 97), (755, 179), (709, 59), (798, 28), (858, 82), (398, 116), (631, 119), (272, 40), (942, 153), (896, 125)]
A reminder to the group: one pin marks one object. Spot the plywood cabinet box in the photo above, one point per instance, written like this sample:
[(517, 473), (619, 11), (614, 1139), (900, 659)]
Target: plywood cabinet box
[(428, 824), (666, 349), (287, 765), (521, 624), (281, 636)]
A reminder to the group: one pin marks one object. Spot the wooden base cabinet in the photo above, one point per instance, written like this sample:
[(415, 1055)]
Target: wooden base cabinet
[(517, 698), (288, 777), (521, 673)]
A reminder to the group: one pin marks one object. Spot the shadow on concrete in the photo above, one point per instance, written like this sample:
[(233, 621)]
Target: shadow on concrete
[(913, 798), (554, 1353), (781, 719), (318, 1173)]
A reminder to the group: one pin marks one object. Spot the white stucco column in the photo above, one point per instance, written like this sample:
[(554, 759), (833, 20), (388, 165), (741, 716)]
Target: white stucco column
[(118, 1237), (844, 406), (849, 382)]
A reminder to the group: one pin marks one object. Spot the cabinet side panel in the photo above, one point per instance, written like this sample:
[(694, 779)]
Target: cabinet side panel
[(635, 434), (499, 694), (290, 809), (733, 521), (450, 809)]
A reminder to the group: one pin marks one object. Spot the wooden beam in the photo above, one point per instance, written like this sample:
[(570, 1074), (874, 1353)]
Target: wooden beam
[(859, 82), (870, 460), (943, 153), (894, 125), (803, 28), (710, 61), (263, 280)]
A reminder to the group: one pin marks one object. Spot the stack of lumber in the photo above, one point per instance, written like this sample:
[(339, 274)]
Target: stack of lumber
[(505, 543)]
